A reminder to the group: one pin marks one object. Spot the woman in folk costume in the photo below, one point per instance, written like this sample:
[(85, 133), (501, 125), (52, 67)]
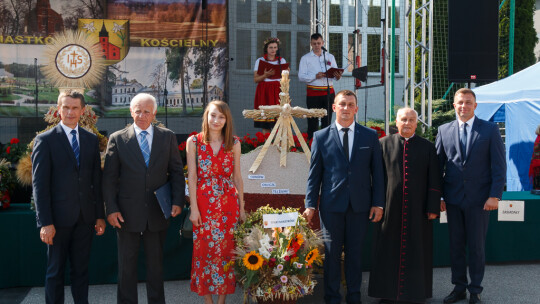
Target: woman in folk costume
[(268, 86)]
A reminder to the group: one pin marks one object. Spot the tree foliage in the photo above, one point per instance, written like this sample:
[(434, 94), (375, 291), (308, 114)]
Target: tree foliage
[(525, 38)]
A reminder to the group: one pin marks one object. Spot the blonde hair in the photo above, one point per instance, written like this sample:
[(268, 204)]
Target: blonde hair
[(227, 131)]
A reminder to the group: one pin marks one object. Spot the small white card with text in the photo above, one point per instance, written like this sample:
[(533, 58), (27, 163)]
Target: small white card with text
[(280, 191), (268, 185), (280, 219), (256, 176), (512, 211)]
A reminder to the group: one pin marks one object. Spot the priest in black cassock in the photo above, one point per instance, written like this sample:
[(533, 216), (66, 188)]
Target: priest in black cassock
[(402, 267)]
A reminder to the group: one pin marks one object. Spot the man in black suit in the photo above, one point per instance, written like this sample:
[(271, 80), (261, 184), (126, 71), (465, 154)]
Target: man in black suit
[(66, 171), (140, 159)]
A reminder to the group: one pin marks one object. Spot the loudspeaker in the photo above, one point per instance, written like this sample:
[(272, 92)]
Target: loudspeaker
[(473, 34)]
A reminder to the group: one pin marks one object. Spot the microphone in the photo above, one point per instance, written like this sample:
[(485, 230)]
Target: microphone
[(324, 49)]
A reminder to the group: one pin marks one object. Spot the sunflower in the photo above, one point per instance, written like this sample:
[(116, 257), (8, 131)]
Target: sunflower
[(296, 241), (312, 256), (253, 260)]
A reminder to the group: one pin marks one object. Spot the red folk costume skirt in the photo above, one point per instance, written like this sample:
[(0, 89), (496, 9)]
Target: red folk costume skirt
[(267, 94)]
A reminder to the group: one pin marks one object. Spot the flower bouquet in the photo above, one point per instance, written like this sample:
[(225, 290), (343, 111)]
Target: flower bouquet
[(276, 264)]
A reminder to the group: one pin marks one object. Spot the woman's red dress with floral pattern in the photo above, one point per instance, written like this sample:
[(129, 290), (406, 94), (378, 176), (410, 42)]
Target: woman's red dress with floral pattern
[(213, 241)]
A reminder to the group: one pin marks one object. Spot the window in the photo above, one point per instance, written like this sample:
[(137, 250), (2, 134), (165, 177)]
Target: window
[(342, 15), (256, 20)]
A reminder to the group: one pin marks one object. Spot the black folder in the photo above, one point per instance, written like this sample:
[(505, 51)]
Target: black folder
[(164, 198)]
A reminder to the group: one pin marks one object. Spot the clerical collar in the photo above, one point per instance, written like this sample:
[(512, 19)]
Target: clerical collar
[(407, 138)]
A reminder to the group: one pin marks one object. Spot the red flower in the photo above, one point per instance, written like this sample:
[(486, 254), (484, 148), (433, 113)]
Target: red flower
[(260, 137), (293, 149), (182, 146), (14, 141), (8, 150), (6, 199)]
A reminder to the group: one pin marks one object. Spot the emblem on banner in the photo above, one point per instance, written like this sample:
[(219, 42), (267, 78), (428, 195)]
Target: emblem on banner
[(110, 36), (73, 61)]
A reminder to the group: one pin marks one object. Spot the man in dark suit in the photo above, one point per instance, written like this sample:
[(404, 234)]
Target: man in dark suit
[(347, 170), (66, 180), (140, 159), (472, 159)]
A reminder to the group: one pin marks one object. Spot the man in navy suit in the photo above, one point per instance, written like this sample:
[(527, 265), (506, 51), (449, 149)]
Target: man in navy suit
[(347, 170), (66, 179), (472, 159)]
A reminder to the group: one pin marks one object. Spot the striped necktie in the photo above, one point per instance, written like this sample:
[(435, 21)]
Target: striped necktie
[(75, 145), (145, 148)]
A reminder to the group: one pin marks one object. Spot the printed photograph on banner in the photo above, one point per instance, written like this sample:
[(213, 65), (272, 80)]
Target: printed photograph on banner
[(21, 75), (184, 79), (112, 37), (31, 22), (172, 23)]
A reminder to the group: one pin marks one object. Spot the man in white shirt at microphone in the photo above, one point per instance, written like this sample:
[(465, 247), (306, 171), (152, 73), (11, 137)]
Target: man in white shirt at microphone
[(320, 90)]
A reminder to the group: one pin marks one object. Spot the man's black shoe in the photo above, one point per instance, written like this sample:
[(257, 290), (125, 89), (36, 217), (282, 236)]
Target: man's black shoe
[(474, 298), (455, 296)]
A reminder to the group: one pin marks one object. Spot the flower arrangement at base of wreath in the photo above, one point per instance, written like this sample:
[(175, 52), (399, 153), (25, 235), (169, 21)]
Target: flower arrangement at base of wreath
[(276, 264)]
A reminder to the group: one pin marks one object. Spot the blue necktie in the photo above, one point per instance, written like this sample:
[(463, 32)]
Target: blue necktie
[(145, 148), (75, 145), (463, 141)]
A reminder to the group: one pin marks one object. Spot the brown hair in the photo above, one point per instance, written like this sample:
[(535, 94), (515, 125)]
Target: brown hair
[(465, 91), (269, 41), (73, 94), (346, 93), (227, 131)]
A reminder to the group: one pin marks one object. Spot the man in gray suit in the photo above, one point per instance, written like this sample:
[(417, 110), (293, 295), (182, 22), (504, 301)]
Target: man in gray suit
[(140, 159)]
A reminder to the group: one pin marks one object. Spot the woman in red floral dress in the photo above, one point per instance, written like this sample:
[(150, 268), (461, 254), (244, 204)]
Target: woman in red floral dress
[(217, 201)]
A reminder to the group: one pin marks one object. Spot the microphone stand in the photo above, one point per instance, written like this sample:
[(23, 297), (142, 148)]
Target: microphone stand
[(329, 115)]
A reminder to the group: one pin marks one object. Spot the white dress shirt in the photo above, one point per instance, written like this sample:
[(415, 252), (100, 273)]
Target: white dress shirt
[(68, 130), (311, 64), (149, 136), (350, 134), (469, 129)]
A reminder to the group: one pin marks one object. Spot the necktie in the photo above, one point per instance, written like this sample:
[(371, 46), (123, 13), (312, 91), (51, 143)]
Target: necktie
[(346, 142), (463, 141), (75, 145), (144, 147)]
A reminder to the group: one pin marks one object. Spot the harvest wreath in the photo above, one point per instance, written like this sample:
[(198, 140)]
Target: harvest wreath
[(276, 263)]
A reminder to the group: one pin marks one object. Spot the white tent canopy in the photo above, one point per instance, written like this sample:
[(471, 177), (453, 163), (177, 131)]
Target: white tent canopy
[(514, 100)]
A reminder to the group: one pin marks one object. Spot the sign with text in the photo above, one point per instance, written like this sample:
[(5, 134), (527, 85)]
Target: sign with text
[(512, 211), (255, 176), (280, 220), (281, 191), (268, 185)]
